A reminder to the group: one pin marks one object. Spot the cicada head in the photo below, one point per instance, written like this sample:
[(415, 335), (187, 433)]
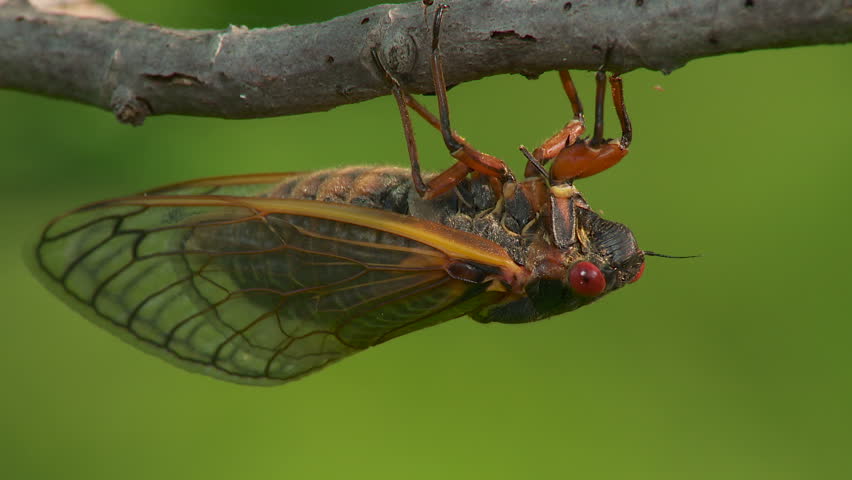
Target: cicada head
[(578, 259), (607, 258)]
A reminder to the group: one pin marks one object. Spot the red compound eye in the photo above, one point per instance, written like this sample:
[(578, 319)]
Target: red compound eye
[(586, 279), (638, 274)]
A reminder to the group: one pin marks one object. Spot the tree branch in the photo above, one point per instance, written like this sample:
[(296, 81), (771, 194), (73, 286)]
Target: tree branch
[(137, 70)]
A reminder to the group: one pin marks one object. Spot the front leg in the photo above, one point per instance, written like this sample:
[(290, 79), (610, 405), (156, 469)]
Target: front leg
[(565, 137)]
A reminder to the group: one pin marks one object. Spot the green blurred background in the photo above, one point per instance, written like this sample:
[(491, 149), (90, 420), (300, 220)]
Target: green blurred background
[(735, 365)]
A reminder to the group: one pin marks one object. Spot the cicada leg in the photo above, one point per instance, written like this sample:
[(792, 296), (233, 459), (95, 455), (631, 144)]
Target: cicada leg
[(621, 111), (593, 155), (450, 177), (460, 150), (468, 158), (402, 99), (567, 135)]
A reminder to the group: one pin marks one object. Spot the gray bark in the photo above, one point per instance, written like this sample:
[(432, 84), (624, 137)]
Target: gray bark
[(136, 69)]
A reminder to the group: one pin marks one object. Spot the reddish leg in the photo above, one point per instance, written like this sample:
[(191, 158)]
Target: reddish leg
[(442, 182), (450, 177), (400, 96), (569, 134), (594, 155), (468, 158), (460, 150), (620, 111)]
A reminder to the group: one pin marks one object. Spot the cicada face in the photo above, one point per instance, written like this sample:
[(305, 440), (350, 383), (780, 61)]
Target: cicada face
[(603, 257), (613, 249)]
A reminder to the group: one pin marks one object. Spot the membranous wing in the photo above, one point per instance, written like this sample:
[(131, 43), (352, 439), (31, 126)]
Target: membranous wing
[(260, 290)]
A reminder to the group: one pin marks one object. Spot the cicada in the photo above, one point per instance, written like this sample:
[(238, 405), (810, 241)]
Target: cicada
[(262, 279)]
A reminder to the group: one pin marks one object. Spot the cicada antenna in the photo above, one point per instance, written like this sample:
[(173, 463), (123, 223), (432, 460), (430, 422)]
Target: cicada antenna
[(655, 254)]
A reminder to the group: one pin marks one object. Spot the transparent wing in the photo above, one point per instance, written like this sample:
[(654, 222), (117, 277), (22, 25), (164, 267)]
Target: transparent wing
[(258, 290), (252, 185)]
